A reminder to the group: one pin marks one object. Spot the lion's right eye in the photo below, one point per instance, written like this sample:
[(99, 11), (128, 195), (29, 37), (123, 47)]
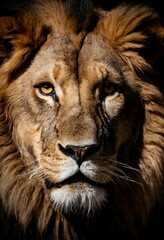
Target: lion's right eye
[(46, 88)]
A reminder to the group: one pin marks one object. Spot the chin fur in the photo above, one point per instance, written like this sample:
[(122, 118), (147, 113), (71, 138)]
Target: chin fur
[(79, 198)]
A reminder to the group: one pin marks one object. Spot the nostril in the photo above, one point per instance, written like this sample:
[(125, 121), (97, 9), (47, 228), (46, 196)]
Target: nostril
[(67, 150), (79, 153)]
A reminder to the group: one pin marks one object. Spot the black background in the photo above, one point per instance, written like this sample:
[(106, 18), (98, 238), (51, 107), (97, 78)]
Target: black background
[(7, 6)]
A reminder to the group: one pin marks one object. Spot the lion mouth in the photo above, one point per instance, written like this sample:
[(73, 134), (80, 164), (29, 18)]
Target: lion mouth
[(77, 178)]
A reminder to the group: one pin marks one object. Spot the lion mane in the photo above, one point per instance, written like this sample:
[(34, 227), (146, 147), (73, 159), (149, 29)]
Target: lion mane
[(81, 122)]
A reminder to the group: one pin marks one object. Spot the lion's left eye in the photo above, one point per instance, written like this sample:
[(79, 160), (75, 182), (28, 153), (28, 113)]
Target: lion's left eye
[(109, 88), (46, 88)]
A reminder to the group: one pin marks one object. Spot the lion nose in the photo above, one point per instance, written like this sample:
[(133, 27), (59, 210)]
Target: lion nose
[(79, 153)]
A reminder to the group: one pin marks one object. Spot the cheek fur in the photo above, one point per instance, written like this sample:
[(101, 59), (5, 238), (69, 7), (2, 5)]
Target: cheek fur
[(113, 105)]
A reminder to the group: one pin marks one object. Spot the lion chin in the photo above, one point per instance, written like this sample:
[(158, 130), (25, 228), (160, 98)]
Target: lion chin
[(77, 195), (78, 198)]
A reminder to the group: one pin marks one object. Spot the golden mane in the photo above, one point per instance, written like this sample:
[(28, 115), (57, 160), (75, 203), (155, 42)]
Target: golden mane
[(129, 30)]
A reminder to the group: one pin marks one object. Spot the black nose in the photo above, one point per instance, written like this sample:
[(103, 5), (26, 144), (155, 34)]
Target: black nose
[(79, 153)]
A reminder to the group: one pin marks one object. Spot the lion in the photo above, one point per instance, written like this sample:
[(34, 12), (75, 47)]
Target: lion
[(81, 123)]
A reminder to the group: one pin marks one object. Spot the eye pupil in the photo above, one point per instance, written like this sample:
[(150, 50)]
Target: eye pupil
[(46, 86)]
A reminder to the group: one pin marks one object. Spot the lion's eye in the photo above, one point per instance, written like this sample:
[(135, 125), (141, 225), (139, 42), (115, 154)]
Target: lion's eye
[(46, 88), (109, 88)]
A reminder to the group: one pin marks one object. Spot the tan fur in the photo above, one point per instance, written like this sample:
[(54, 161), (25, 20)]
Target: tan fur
[(106, 103)]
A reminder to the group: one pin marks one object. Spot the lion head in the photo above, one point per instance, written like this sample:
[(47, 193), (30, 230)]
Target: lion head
[(81, 120)]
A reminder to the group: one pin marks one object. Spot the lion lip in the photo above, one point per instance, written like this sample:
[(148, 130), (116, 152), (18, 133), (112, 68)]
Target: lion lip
[(77, 178)]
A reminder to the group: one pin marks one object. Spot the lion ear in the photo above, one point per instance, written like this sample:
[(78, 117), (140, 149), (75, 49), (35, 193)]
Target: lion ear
[(136, 33), (20, 38)]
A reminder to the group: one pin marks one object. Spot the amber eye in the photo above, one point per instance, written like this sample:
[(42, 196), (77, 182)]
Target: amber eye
[(46, 88)]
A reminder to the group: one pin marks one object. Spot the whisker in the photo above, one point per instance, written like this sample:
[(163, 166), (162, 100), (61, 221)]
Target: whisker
[(126, 166), (33, 174), (124, 176)]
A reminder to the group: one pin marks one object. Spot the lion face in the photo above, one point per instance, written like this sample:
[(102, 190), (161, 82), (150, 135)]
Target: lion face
[(70, 120)]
